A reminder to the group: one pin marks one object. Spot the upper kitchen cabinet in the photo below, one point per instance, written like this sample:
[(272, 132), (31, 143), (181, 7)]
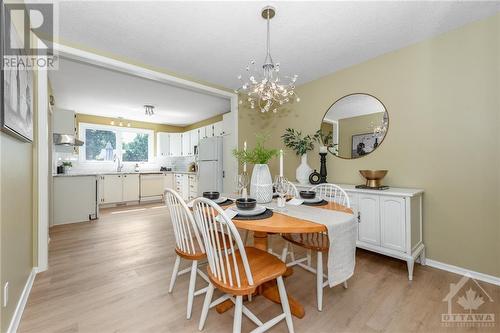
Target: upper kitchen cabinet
[(186, 144), (207, 131), (218, 130), (175, 144), (227, 123), (64, 122), (195, 138), (162, 144)]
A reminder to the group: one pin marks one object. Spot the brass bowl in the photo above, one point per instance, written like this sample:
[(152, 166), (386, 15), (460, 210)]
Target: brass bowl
[(373, 177)]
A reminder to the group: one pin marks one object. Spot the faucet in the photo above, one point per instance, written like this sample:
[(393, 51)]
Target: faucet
[(119, 164)]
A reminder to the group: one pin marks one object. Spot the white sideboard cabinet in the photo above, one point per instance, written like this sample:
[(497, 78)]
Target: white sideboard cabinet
[(389, 222)]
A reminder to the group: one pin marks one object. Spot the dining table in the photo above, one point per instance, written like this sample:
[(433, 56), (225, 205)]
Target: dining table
[(279, 223)]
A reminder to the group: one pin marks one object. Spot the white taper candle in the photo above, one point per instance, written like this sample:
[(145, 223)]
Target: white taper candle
[(281, 162), (245, 149)]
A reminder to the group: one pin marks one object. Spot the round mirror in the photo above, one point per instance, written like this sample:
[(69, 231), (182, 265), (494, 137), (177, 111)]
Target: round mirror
[(354, 126)]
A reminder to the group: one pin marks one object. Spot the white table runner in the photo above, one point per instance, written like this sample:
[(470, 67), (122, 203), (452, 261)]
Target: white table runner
[(341, 234)]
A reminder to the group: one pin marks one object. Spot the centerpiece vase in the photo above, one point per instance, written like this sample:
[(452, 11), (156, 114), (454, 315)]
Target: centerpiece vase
[(261, 184), (303, 171)]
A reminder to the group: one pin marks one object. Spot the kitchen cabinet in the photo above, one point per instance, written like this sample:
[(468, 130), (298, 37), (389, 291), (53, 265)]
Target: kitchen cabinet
[(182, 185), (193, 187), (218, 131), (389, 222), (74, 199), (118, 188), (227, 123), (64, 122), (186, 144), (195, 138), (130, 187), (175, 144), (207, 131), (168, 180), (162, 144), (112, 189)]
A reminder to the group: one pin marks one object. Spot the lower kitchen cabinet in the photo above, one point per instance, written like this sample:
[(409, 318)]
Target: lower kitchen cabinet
[(119, 188), (112, 189), (168, 180), (130, 187)]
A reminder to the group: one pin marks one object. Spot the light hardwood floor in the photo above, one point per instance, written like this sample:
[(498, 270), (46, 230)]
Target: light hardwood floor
[(113, 275)]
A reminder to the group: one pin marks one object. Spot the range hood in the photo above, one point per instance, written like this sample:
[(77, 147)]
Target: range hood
[(66, 140)]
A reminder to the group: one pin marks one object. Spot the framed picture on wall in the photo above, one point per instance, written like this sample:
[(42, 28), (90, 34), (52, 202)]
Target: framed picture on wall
[(363, 144), (16, 89)]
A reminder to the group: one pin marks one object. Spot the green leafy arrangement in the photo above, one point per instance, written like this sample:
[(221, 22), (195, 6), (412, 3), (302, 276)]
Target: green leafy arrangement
[(67, 164), (294, 140), (258, 155)]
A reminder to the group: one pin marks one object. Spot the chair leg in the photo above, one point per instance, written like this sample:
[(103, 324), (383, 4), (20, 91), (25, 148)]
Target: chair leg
[(174, 273), (319, 281), (284, 303), (206, 306), (238, 311), (246, 237), (192, 285), (345, 284), (284, 253), (309, 258)]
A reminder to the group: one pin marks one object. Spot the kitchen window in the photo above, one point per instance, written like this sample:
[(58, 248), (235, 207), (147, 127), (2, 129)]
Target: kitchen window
[(102, 143)]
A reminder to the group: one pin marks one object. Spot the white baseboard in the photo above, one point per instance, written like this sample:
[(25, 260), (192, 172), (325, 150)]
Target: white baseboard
[(462, 271), (16, 318)]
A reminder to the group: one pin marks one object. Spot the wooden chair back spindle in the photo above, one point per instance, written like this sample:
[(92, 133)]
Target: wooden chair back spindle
[(222, 243), (187, 237), (332, 193)]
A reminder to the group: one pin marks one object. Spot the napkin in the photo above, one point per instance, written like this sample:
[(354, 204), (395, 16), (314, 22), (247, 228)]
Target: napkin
[(295, 202), (230, 213)]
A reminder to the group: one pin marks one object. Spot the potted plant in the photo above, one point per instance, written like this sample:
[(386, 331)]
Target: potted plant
[(301, 144), (327, 141), (67, 166), (261, 183)]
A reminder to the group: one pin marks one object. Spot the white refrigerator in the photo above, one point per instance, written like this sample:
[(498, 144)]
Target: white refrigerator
[(210, 167)]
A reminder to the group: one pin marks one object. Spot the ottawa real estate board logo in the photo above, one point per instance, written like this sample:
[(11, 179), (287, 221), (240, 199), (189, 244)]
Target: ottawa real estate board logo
[(27, 32), (469, 305)]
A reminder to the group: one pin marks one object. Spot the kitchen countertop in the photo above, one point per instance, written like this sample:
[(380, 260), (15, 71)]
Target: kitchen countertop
[(78, 174)]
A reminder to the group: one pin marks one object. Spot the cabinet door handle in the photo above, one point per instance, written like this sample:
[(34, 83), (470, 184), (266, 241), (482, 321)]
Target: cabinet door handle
[(359, 217)]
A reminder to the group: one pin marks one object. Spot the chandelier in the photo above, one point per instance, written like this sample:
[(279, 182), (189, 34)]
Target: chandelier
[(263, 89), (149, 110)]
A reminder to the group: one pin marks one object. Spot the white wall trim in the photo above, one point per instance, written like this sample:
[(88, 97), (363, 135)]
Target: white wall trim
[(21, 304), (462, 271), (43, 144)]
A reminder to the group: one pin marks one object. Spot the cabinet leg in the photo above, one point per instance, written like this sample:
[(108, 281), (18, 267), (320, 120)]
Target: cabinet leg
[(410, 263), (422, 257)]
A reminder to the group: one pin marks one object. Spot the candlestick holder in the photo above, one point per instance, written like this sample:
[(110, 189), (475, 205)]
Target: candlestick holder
[(322, 169)]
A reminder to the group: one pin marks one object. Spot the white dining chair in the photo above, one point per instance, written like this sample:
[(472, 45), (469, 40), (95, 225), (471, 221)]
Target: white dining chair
[(317, 242), (235, 270), (188, 245)]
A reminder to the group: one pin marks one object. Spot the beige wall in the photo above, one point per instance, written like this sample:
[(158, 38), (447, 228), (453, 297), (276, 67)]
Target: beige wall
[(17, 206), (442, 96), (353, 126)]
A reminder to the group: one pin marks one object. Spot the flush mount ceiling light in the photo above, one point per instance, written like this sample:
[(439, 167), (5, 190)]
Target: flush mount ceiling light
[(263, 89), (149, 110)]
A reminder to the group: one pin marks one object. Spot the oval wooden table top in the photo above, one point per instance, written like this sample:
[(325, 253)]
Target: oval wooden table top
[(282, 223)]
